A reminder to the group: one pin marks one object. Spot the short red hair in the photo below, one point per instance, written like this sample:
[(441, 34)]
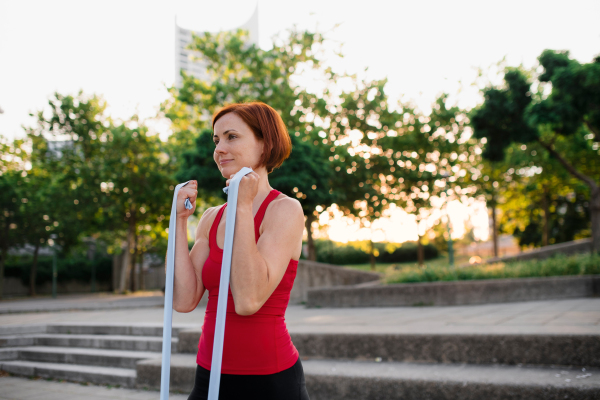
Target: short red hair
[(267, 125)]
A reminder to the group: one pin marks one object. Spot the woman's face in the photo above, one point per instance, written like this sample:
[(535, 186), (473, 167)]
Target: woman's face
[(236, 146)]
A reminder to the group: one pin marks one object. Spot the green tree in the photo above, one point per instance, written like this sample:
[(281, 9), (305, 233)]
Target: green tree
[(135, 203), (98, 178), (50, 204), (565, 122), (241, 72), (425, 157), (537, 186), (362, 118), (40, 213), (65, 141), (11, 167)]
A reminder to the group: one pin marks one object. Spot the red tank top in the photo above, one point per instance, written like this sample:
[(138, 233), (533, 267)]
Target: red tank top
[(256, 344)]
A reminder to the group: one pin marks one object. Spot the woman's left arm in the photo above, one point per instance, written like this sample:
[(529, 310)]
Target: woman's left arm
[(258, 267)]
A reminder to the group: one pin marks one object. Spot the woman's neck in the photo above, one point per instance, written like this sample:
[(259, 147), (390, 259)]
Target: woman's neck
[(263, 189)]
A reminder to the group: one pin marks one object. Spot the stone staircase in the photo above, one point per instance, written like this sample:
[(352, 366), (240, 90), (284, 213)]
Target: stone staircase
[(82, 353), (337, 366)]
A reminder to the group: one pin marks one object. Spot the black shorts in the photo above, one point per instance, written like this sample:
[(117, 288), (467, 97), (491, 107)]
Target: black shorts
[(288, 384)]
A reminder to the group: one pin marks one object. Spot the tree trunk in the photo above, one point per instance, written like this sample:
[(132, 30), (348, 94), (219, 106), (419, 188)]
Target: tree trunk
[(420, 252), (3, 256), (133, 281), (2, 262), (33, 270), (594, 193), (312, 253), (546, 230), (595, 211), (493, 205), (494, 230), (141, 280), (372, 256), (127, 259)]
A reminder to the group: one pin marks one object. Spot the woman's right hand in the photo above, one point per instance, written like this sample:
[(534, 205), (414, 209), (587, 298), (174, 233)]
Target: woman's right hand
[(188, 191)]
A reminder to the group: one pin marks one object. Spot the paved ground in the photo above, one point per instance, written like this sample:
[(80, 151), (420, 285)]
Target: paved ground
[(576, 316), (98, 301), (12, 388)]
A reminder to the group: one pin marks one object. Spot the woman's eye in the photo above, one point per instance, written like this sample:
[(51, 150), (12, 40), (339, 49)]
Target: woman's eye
[(230, 136)]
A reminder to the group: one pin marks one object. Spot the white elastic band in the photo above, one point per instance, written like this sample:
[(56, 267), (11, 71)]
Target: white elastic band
[(168, 317), (217, 356)]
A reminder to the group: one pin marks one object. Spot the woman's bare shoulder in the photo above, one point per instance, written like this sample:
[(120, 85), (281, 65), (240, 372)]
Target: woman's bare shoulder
[(206, 221), (287, 208)]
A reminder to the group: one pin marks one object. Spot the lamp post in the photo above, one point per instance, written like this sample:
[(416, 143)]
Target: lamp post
[(450, 250), (54, 269)]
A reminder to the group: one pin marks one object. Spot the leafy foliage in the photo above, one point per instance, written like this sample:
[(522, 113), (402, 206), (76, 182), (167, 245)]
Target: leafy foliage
[(359, 252), (74, 268), (558, 265)]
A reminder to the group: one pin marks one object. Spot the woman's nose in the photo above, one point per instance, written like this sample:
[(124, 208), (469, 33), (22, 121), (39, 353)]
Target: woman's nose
[(220, 148)]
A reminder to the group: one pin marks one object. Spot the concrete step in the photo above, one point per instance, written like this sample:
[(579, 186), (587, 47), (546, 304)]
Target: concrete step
[(476, 291), (119, 342), (95, 329), (576, 350), (75, 355), (72, 372), (332, 380), (17, 340), (73, 329), (349, 380)]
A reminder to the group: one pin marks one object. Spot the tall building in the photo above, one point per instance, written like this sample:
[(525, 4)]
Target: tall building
[(183, 56)]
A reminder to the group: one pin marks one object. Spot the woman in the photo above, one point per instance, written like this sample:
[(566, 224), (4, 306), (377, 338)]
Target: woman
[(259, 358)]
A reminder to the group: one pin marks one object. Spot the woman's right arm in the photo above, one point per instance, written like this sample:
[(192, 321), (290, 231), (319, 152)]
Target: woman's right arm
[(188, 287), (187, 284)]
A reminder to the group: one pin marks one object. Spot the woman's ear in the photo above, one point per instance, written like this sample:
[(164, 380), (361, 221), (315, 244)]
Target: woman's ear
[(262, 148)]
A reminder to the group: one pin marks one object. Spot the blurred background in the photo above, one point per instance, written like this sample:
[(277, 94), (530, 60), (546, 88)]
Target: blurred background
[(429, 138)]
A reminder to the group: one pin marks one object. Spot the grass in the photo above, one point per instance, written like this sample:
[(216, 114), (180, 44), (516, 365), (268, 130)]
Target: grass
[(558, 265), (439, 270), (387, 268)]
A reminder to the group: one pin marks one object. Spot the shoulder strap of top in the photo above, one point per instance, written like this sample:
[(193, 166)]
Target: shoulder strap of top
[(261, 211), (258, 218), (212, 237)]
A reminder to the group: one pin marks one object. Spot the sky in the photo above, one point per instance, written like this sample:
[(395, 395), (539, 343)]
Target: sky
[(124, 50)]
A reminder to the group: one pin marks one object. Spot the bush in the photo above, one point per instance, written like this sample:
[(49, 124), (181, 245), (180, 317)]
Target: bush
[(339, 254), (408, 252), (357, 253), (558, 265), (79, 269)]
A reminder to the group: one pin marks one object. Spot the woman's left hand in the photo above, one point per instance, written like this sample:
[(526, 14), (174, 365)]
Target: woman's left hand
[(248, 188)]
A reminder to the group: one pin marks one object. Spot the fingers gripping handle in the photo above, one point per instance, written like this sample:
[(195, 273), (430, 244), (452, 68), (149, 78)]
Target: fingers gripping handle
[(168, 313), (217, 354)]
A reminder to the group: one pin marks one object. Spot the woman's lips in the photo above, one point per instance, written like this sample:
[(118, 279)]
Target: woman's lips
[(224, 161)]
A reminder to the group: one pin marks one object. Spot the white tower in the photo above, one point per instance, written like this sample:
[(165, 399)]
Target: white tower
[(183, 56)]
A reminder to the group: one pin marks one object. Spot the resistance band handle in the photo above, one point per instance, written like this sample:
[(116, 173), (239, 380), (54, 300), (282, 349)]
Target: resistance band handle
[(168, 316), (217, 354)]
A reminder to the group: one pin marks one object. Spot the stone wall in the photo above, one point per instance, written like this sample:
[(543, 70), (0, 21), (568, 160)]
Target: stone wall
[(574, 247), (309, 274), (454, 293)]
